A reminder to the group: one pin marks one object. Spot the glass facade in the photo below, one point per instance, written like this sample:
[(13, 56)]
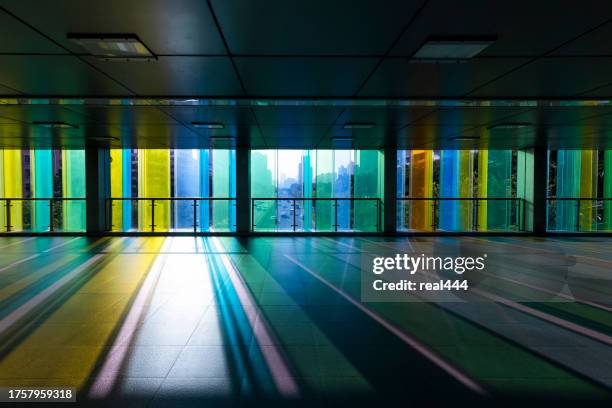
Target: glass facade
[(316, 190), (460, 190), (579, 190), (173, 190), (46, 189)]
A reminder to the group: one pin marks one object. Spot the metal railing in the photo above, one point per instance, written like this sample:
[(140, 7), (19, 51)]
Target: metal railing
[(515, 213), (303, 218), (52, 203), (196, 203), (579, 214)]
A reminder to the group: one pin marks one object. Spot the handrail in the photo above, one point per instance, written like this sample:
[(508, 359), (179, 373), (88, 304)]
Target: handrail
[(335, 200), (475, 200), (8, 200), (578, 198), (195, 200)]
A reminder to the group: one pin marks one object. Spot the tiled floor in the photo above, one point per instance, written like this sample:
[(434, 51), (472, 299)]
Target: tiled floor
[(235, 321)]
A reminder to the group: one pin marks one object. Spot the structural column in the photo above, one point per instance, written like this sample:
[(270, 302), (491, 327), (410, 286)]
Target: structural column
[(390, 190), (243, 189), (97, 176)]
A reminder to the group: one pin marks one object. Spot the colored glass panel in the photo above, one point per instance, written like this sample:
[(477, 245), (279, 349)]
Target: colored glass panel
[(608, 190), (368, 184), (324, 210), (154, 182), (73, 183), (263, 185), (11, 186), (421, 186), (569, 163), (223, 186), (186, 184), (499, 185), (42, 187)]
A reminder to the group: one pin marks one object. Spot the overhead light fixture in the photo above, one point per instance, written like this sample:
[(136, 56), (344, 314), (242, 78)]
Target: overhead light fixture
[(221, 138), (55, 125), (465, 138), (124, 47), (208, 125), (511, 125), (102, 138), (451, 49), (343, 139), (358, 125)]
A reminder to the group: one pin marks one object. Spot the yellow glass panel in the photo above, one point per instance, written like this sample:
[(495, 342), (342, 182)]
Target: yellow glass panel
[(421, 167), (116, 176), (154, 182)]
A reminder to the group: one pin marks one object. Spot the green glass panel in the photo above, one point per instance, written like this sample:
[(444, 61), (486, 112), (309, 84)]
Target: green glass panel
[(223, 186), (73, 180), (499, 185), (324, 210), (263, 185), (569, 163), (608, 189), (368, 184)]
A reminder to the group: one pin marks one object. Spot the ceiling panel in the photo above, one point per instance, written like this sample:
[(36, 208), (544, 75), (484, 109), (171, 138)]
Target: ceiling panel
[(523, 27), (185, 76), (559, 115), (303, 76), (19, 38), (466, 116), (389, 117), (596, 42), (124, 114), (293, 132), (604, 91), (297, 115), (166, 27), (551, 77), (315, 27), (54, 75), (396, 77), (237, 132), (42, 113), (226, 115)]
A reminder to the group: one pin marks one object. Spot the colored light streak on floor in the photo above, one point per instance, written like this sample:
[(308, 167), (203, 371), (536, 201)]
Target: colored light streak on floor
[(193, 330), (60, 342)]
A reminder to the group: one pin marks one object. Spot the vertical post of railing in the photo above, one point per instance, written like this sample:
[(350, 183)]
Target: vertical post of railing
[(7, 204), (252, 214), (335, 215), (50, 215), (378, 215), (294, 210), (195, 216), (434, 205), (577, 215), (475, 214), (152, 215)]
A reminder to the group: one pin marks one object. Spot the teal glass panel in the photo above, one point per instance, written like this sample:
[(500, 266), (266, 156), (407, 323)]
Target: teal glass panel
[(568, 185), (449, 188), (222, 185), (42, 187), (126, 187), (499, 185), (204, 220), (607, 190), (343, 160)]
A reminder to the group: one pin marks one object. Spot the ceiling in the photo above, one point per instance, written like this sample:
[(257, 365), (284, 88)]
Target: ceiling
[(317, 64)]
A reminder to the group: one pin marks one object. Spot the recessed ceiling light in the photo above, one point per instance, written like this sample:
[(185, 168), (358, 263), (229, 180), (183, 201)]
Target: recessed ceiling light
[(465, 138), (102, 138), (113, 46), (358, 125), (451, 49), (510, 125), (343, 139), (207, 125), (221, 138), (55, 125)]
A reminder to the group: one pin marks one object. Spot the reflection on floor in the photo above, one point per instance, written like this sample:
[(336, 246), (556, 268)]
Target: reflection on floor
[(153, 321)]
